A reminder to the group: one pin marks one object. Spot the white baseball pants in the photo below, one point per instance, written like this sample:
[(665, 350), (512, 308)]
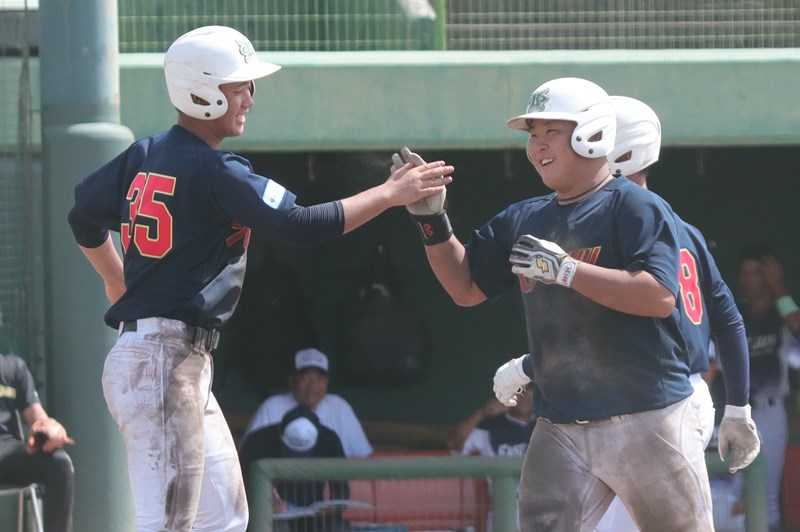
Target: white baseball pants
[(182, 463)]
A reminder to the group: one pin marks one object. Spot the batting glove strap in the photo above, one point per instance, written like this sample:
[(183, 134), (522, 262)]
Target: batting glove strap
[(738, 442), (509, 380), (737, 412), (434, 228), (543, 261)]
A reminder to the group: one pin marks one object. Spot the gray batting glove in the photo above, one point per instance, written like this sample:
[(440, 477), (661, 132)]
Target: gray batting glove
[(542, 260), (425, 206), (510, 380), (738, 438)]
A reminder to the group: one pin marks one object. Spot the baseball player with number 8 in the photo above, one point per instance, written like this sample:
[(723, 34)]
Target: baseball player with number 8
[(596, 266), (184, 210), (705, 305)]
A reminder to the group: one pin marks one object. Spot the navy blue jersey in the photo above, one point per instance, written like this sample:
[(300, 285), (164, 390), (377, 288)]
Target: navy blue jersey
[(591, 361), (707, 308), (184, 212), (706, 301)]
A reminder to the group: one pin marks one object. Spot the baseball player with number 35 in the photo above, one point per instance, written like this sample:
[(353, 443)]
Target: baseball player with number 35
[(596, 265), (184, 210)]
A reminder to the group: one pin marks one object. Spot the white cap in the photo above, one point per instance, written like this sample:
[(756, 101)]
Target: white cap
[(310, 358), (300, 435)]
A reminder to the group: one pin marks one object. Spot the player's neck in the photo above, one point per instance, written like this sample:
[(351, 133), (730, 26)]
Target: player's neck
[(200, 129), (597, 184)]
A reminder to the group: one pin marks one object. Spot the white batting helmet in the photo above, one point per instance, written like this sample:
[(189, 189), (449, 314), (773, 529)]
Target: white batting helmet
[(198, 62), (577, 100), (638, 136)]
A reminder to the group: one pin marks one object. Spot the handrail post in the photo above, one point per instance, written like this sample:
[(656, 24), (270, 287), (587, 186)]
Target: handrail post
[(504, 503), (755, 499), (259, 499)]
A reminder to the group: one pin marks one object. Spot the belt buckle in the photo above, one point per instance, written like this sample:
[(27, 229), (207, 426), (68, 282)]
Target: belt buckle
[(208, 338), (212, 340)]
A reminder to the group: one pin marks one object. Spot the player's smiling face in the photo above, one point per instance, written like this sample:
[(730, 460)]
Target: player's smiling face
[(240, 100), (550, 150)]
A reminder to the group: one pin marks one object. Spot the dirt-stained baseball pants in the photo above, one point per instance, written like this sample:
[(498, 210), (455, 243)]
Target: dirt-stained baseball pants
[(654, 461), (182, 463)]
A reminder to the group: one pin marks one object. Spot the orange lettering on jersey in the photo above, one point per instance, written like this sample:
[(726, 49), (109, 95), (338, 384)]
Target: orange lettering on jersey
[(588, 255), (241, 233)]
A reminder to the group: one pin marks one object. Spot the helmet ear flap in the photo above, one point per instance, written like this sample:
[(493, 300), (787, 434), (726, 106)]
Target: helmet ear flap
[(595, 131)]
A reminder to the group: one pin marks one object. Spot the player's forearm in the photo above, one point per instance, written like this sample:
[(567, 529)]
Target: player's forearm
[(735, 360), (365, 206), (108, 264), (449, 263), (637, 293)]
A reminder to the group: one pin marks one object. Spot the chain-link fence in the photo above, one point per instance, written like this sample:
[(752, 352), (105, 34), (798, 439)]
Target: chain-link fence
[(339, 25), (621, 24), (19, 178)]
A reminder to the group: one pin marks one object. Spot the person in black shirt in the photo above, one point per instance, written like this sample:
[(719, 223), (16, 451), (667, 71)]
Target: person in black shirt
[(38, 458), (300, 434)]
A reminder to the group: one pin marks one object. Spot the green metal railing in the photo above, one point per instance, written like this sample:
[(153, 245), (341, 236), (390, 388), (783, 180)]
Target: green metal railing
[(504, 472)]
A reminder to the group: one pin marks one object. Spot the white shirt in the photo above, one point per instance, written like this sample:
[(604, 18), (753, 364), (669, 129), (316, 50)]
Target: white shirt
[(333, 411)]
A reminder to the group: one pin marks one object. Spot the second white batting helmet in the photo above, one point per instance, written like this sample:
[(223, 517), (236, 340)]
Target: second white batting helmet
[(638, 136), (577, 100), (199, 61)]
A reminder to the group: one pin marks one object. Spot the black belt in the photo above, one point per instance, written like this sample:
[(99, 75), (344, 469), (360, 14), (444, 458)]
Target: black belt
[(207, 338)]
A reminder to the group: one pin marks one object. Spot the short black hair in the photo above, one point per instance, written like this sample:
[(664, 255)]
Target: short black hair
[(755, 251)]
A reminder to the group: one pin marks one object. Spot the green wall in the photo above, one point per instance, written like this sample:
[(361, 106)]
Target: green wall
[(377, 100)]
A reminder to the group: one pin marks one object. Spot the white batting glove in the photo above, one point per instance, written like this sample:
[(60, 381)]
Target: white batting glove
[(510, 380), (738, 438), (542, 260), (425, 206)]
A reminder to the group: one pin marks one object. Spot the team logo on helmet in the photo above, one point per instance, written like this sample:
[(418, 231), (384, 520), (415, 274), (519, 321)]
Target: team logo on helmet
[(246, 49), (537, 101)]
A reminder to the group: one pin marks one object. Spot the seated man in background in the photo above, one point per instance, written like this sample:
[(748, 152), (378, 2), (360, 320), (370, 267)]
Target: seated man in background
[(496, 430), (299, 434), (40, 458), (309, 385)]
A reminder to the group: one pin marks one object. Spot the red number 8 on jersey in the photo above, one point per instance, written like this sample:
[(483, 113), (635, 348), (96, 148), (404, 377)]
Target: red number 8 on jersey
[(690, 287)]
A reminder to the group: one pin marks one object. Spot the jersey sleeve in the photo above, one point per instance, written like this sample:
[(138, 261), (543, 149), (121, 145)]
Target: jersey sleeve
[(648, 237), (269, 208), (354, 440), (477, 442), (26, 389), (488, 251), (97, 199)]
